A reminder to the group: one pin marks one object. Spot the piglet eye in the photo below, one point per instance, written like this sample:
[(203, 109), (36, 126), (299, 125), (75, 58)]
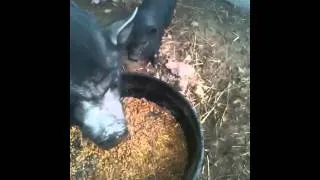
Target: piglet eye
[(152, 30)]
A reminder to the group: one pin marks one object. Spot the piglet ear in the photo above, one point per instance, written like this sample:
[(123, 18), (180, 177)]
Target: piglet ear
[(119, 31)]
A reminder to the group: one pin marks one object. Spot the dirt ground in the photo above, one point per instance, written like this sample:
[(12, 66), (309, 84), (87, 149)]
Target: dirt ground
[(205, 54)]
